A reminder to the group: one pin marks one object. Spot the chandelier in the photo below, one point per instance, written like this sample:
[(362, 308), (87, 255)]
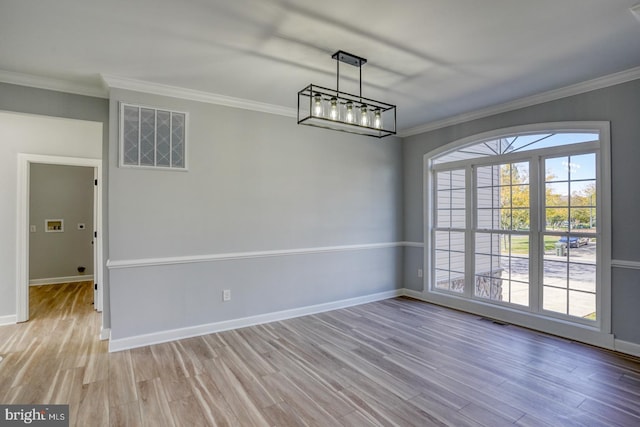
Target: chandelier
[(332, 109)]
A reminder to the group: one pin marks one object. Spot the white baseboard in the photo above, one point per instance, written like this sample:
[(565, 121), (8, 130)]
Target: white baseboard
[(412, 294), (105, 334), (210, 328), (59, 280), (627, 347), (8, 320)]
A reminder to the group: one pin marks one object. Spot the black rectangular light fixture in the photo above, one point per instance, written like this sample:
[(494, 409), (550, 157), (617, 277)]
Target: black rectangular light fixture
[(331, 109)]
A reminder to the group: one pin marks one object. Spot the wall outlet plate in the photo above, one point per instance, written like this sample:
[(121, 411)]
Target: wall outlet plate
[(226, 295)]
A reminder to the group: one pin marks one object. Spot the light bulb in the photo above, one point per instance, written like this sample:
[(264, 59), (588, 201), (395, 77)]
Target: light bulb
[(333, 109), (377, 119), (317, 105), (350, 117), (364, 116)]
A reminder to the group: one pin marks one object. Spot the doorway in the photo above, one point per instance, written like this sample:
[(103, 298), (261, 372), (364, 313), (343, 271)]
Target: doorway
[(25, 163)]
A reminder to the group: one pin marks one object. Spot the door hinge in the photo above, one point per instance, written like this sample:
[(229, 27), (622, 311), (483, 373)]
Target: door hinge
[(95, 286), (95, 234), (95, 182)]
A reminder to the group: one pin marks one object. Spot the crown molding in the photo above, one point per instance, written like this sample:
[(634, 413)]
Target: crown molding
[(195, 95), (50, 83), (111, 81), (552, 95)]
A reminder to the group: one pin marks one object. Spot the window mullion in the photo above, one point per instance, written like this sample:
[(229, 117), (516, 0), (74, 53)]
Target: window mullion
[(469, 233), (536, 236), (139, 134)]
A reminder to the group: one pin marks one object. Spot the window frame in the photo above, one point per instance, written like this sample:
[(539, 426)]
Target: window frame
[(121, 162), (598, 332)]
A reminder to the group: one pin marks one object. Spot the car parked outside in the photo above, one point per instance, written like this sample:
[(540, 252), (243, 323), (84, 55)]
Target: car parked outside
[(574, 242)]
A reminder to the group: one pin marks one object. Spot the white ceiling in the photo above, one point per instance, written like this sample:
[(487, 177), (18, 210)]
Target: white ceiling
[(433, 58)]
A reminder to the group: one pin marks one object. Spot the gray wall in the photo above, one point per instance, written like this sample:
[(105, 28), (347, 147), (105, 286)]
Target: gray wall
[(28, 100), (256, 182), (618, 104), (60, 192)]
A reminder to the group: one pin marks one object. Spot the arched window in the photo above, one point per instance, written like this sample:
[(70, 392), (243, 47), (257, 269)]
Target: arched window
[(515, 223)]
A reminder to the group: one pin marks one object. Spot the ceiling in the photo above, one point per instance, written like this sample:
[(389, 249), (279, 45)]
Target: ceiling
[(432, 58)]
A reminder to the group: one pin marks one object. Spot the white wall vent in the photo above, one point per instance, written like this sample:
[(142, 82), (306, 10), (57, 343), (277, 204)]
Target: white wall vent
[(152, 138)]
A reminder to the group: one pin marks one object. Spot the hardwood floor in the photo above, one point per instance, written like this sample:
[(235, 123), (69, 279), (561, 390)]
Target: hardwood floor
[(394, 362)]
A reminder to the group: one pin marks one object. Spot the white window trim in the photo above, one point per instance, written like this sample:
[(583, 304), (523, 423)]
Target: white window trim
[(121, 162), (599, 334)]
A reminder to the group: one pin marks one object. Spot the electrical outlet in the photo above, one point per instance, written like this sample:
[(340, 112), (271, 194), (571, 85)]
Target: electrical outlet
[(32, 228), (226, 295), (419, 272)]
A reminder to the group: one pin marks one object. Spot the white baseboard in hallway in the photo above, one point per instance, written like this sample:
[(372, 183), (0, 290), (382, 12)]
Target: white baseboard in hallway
[(8, 320), (60, 280)]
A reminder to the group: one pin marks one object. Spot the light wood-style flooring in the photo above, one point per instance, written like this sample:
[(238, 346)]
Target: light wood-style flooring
[(395, 362)]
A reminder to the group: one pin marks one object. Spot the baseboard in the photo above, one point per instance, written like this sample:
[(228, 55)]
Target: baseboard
[(105, 334), (211, 328), (8, 320), (60, 280), (411, 293), (627, 347)]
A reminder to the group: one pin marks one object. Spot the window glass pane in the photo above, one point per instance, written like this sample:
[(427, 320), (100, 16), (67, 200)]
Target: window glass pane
[(458, 179), (583, 193), (520, 173), (163, 139), (516, 143), (519, 293), (458, 219), (444, 180), (483, 243), (485, 197), (520, 218), (583, 167), (130, 129), (444, 218), (486, 176), (443, 199), (442, 240), (502, 267), (456, 241), (486, 218), (505, 196), (147, 137), (505, 219), (177, 140), (554, 299), (557, 194), (582, 304), (557, 219), (557, 169), (449, 260), (458, 199), (442, 260), (520, 196)]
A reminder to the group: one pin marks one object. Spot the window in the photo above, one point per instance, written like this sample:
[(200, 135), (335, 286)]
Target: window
[(450, 231), (515, 223), (152, 137)]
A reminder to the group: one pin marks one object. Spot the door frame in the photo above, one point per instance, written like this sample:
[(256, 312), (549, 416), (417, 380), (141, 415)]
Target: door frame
[(22, 228)]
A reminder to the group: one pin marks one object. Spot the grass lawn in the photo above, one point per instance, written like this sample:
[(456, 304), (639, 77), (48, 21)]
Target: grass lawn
[(520, 244)]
